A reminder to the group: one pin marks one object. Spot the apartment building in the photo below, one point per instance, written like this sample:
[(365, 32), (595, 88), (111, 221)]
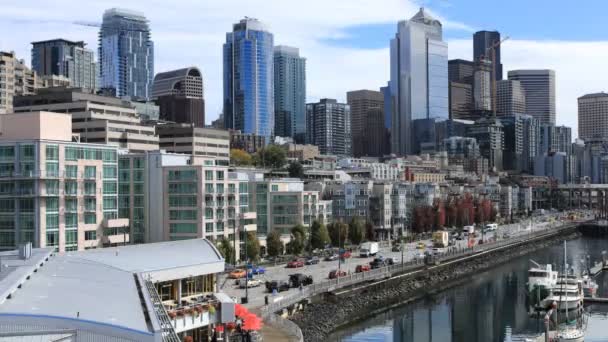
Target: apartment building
[(95, 119), (55, 192), (15, 79)]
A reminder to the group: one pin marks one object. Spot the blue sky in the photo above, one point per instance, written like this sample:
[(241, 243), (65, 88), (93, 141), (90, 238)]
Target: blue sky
[(345, 41)]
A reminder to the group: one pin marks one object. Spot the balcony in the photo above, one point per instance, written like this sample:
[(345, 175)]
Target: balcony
[(115, 223), (200, 311)]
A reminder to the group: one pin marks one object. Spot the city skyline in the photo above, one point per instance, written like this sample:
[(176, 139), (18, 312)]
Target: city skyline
[(358, 32)]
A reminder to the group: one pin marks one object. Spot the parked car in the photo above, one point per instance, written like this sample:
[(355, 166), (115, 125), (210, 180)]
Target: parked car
[(419, 256), (253, 269), (420, 245), (362, 268), (278, 285), (250, 283), (312, 260), (397, 248), (295, 263), (337, 274), (237, 274), (297, 279), (345, 254), (331, 257)]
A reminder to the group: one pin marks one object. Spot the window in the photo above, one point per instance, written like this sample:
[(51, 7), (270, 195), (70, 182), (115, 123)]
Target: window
[(52, 152), (71, 220), (71, 237), (90, 204), (109, 172), (124, 163), (138, 176), (275, 187), (243, 188), (7, 153), (52, 204), (182, 228), (7, 169), (7, 188), (138, 189), (109, 188), (27, 152), (90, 218), (182, 215), (52, 239), (182, 188), (183, 175), (231, 188), (109, 203), (138, 163), (52, 169), (220, 188), (7, 205), (209, 188), (72, 153), (52, 221), (71, 171), (220, 175), (90, 235), (90, 188), (220, 226), (90, 172), (109, 156), (209, 175), (71, 204), (124, 175), (208, 213), (71, 187), (138, 201), (209, 227), (182, 201)]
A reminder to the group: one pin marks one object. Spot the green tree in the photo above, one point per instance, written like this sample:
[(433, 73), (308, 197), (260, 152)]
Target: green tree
[(295, 170), (338, 230), (299, 239), (356, 231), (272, 156), (239, 157), (227, 251), (253, 247), (274, 245), (320, 235)]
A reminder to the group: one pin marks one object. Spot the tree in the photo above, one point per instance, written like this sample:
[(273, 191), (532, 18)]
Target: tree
[(274, 245), (239, 157), (295, 170), (319, 235), (439, 219), (369, 231), (253, 247), (299, 240), (338, 230), (356, 231), (271, 156), (225, 248), (452, 213)]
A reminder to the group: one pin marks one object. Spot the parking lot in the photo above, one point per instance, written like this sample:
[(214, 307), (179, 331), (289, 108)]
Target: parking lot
[(320, 271)]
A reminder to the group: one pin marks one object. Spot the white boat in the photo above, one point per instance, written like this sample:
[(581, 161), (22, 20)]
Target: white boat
[(571, 335), (541, 280), (589, 286), (570, 288)]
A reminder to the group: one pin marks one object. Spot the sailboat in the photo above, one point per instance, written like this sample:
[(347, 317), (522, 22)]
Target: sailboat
[(571, 333)]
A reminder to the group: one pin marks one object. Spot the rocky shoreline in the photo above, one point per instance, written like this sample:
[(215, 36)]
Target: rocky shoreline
[(319, 319)]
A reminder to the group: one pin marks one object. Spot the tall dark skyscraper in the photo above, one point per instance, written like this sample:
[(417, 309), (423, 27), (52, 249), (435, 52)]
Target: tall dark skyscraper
[(482, 40), (62, 57), (249, 78), (328, 126), (361, 102), (126, 54)]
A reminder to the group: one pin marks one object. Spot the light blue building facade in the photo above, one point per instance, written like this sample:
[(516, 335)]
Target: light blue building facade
[(126, 54), (289, 93), (419, 78), (249, 78)]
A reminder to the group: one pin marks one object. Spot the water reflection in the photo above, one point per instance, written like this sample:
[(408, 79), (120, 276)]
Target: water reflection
[(492, 306)]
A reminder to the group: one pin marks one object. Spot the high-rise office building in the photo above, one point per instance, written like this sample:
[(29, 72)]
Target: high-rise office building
[(248, 78), (289, 93), (491, 139), (388, 113), (555, 139), (521, 142), (179, 95), (419, 77), (60, 57), (376, 138), (482, 41), (15, 79), (126, 54), (461, 71), (510, 98), (328, 127), (482, 85), (361, 102), (461, 100), (539, 88), (593, 116)]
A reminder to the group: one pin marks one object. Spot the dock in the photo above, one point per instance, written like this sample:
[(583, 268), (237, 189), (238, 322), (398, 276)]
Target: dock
[(595, 300)]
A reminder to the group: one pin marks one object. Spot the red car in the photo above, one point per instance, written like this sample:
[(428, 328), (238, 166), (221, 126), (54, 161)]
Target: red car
[(295, 263), (336, 274), (362, 268), (346, 255)]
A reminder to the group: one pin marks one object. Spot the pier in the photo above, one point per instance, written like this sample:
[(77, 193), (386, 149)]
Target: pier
[(593, 300)]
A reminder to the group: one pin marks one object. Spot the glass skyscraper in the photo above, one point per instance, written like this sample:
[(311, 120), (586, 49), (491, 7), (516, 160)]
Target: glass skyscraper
[(289, 93), (65, 58), (126, 54), (248, 78), (419, 78)]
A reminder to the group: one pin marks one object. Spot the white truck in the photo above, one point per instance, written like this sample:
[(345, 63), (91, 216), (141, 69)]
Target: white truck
[(368, 249), (467, 230)]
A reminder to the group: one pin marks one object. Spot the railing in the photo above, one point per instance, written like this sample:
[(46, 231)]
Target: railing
[(168, 332), (403, 268)]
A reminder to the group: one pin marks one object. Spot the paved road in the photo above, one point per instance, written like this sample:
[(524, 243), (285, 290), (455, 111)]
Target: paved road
[(321, 271)]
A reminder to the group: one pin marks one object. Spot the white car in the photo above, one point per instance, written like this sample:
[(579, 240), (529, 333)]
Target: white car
[(250, 283)]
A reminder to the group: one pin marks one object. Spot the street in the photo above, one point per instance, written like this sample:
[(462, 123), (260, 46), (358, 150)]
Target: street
[(320, 271)]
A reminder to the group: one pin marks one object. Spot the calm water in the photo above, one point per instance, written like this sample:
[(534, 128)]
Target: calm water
[(489, 307)]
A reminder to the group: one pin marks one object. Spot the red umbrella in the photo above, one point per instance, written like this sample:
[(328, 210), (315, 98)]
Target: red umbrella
[(240, 310), (251, 322)]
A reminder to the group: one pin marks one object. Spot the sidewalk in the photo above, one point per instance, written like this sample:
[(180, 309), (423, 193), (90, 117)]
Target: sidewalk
[(271, 334)]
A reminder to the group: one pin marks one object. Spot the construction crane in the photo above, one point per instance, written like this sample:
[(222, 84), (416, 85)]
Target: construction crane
[(491, 50), (87, 23)]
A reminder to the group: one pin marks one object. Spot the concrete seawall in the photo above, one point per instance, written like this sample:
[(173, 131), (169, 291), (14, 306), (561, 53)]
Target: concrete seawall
[(346, 306)]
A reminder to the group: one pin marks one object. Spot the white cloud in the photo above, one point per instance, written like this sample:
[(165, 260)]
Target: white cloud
[(191, 32)]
